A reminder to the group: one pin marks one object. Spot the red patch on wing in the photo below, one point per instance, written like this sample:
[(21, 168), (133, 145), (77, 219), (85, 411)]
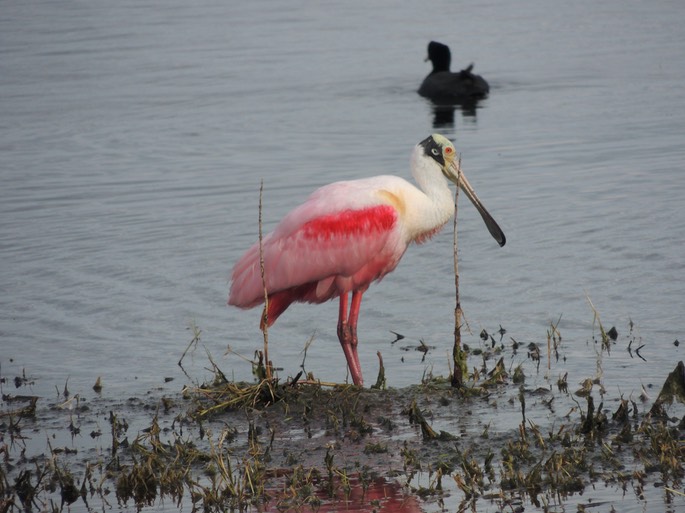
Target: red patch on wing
[(367, 221)]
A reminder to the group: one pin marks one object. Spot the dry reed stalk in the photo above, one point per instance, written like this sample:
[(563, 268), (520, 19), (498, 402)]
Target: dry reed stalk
[(265, 315), (457, 355)]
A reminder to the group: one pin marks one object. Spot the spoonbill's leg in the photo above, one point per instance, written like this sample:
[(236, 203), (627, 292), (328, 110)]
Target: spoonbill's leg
[(347, 334), (355, 305)]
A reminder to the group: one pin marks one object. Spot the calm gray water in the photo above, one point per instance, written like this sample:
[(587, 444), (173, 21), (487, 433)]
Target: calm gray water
[(134, 135)]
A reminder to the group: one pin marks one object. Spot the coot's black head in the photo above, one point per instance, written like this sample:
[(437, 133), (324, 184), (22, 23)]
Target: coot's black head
[(439, 54)]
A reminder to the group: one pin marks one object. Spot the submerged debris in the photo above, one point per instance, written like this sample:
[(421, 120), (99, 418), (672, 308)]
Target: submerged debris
[(672, 390)]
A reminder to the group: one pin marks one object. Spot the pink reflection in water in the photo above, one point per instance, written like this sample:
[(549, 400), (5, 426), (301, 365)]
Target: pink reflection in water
[(381, 496)]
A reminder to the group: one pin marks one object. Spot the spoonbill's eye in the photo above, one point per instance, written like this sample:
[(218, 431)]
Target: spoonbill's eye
[(448, 150)]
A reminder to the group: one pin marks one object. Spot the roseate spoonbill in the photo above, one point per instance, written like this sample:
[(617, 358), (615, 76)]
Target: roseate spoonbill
[(444, 86), (350, 234)]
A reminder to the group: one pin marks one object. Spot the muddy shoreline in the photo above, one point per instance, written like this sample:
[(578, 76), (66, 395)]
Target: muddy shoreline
[(494, 445)]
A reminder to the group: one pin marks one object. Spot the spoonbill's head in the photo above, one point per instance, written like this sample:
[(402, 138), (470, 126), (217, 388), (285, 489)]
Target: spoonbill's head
[(441, 150)]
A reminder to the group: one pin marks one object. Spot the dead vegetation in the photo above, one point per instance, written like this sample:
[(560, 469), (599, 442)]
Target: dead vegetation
[(302, 445)]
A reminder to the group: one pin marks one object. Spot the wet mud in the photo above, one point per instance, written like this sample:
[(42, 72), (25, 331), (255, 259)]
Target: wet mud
[(495, 444)]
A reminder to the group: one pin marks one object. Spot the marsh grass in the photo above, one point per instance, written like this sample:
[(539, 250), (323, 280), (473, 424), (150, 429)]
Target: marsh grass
[(302, 445)]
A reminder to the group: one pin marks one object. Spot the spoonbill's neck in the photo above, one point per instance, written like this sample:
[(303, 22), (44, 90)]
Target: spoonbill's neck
[(437, 206)]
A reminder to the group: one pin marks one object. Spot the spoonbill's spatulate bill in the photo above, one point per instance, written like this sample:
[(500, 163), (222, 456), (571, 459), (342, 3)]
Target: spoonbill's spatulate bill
[(347, 235)]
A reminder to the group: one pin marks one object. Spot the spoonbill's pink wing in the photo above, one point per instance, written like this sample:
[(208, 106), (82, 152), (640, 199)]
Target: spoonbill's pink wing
[(336, 242)]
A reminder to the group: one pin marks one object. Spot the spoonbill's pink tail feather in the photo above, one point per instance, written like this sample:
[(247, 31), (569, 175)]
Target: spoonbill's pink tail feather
[(280, 301), (247, 289), (246, 281)]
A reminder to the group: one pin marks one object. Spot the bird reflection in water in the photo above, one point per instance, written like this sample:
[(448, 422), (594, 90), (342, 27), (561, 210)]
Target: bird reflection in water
[(443, 114)]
